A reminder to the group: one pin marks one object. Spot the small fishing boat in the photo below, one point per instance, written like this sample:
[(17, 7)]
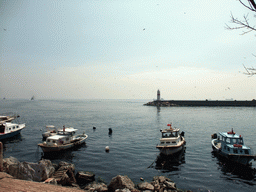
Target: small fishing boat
[(64, 139), (8, 129), (8, 118), (172, 141), (230, 146)]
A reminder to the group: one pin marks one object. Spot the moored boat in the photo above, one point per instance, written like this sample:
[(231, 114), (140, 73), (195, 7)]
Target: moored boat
[(8, 118), (64, 139), (230, 146), (172, 141), (8, 129)]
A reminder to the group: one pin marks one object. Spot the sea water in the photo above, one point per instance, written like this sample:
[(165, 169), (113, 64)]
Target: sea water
[(136, 132)]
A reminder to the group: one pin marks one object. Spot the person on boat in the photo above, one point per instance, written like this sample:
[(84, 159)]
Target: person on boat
[(63, 128)]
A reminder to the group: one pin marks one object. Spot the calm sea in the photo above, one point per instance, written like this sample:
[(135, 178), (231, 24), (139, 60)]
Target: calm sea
[(136, 131)]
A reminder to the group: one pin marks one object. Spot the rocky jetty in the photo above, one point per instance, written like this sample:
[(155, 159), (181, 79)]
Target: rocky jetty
[(63, 174), (197, 103)]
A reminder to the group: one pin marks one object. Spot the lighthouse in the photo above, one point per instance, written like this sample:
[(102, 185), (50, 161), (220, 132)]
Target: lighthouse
[(158, 95)]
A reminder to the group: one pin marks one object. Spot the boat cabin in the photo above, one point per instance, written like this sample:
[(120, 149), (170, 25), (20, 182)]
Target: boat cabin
[(58, 140), (170, 137), (8, 127), (64, 136), (168, 133), (233, 143)]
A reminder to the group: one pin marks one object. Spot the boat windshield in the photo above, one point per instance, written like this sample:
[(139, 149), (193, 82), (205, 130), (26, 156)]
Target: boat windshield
[(238, 141), (170, 134), (235, 141)]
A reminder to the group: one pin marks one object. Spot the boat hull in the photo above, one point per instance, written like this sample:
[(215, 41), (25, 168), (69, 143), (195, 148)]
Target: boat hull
[(170, 150), (47, 149), (11, 134), (240, 159)]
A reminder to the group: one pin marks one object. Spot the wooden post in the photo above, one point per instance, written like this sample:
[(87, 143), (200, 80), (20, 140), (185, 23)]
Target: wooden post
[(1, 157)]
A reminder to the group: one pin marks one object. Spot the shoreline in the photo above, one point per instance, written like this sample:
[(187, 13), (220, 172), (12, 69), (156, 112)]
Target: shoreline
[(45, 176)]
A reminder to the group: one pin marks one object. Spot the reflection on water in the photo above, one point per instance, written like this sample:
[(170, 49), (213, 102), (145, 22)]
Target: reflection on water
[(66, 155), (170, 162), (13, 140), (235, 169)]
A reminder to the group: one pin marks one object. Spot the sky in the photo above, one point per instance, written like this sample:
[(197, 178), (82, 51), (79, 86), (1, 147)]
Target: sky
[(119, 49)]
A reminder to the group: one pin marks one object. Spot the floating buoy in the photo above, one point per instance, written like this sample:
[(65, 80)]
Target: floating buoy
[(94, 127), (109, 131), (107, 148)]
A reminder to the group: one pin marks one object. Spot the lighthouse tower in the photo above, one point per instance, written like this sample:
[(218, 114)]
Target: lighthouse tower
[(158, 95)]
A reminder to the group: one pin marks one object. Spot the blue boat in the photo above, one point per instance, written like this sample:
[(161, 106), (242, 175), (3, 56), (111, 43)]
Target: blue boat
[(230, 146), (8, 129)]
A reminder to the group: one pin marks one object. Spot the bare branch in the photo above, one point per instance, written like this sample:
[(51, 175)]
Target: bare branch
[(241, 24), (252, 4), (250, 71)]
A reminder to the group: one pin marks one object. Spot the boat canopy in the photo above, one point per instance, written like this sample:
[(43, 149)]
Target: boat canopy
[(170, 130), (56, 137), (228, 135), (67, 131)]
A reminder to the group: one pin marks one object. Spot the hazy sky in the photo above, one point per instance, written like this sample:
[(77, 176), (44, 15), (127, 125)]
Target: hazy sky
[(119, 49)]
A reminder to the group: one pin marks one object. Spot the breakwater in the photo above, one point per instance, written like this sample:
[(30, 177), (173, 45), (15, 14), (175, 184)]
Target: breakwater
[(196, 103)]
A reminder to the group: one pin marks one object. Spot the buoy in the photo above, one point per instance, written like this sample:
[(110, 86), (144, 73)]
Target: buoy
[(94, 127), (107, 148), (109, 131)]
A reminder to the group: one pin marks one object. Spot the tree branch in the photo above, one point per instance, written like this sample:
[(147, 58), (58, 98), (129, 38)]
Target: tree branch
[(241, 24)]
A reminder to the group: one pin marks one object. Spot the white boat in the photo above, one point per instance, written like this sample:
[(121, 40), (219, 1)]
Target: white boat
[(8, 129), (230, 146), (172, 141), (64, 139), (8, 118)]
